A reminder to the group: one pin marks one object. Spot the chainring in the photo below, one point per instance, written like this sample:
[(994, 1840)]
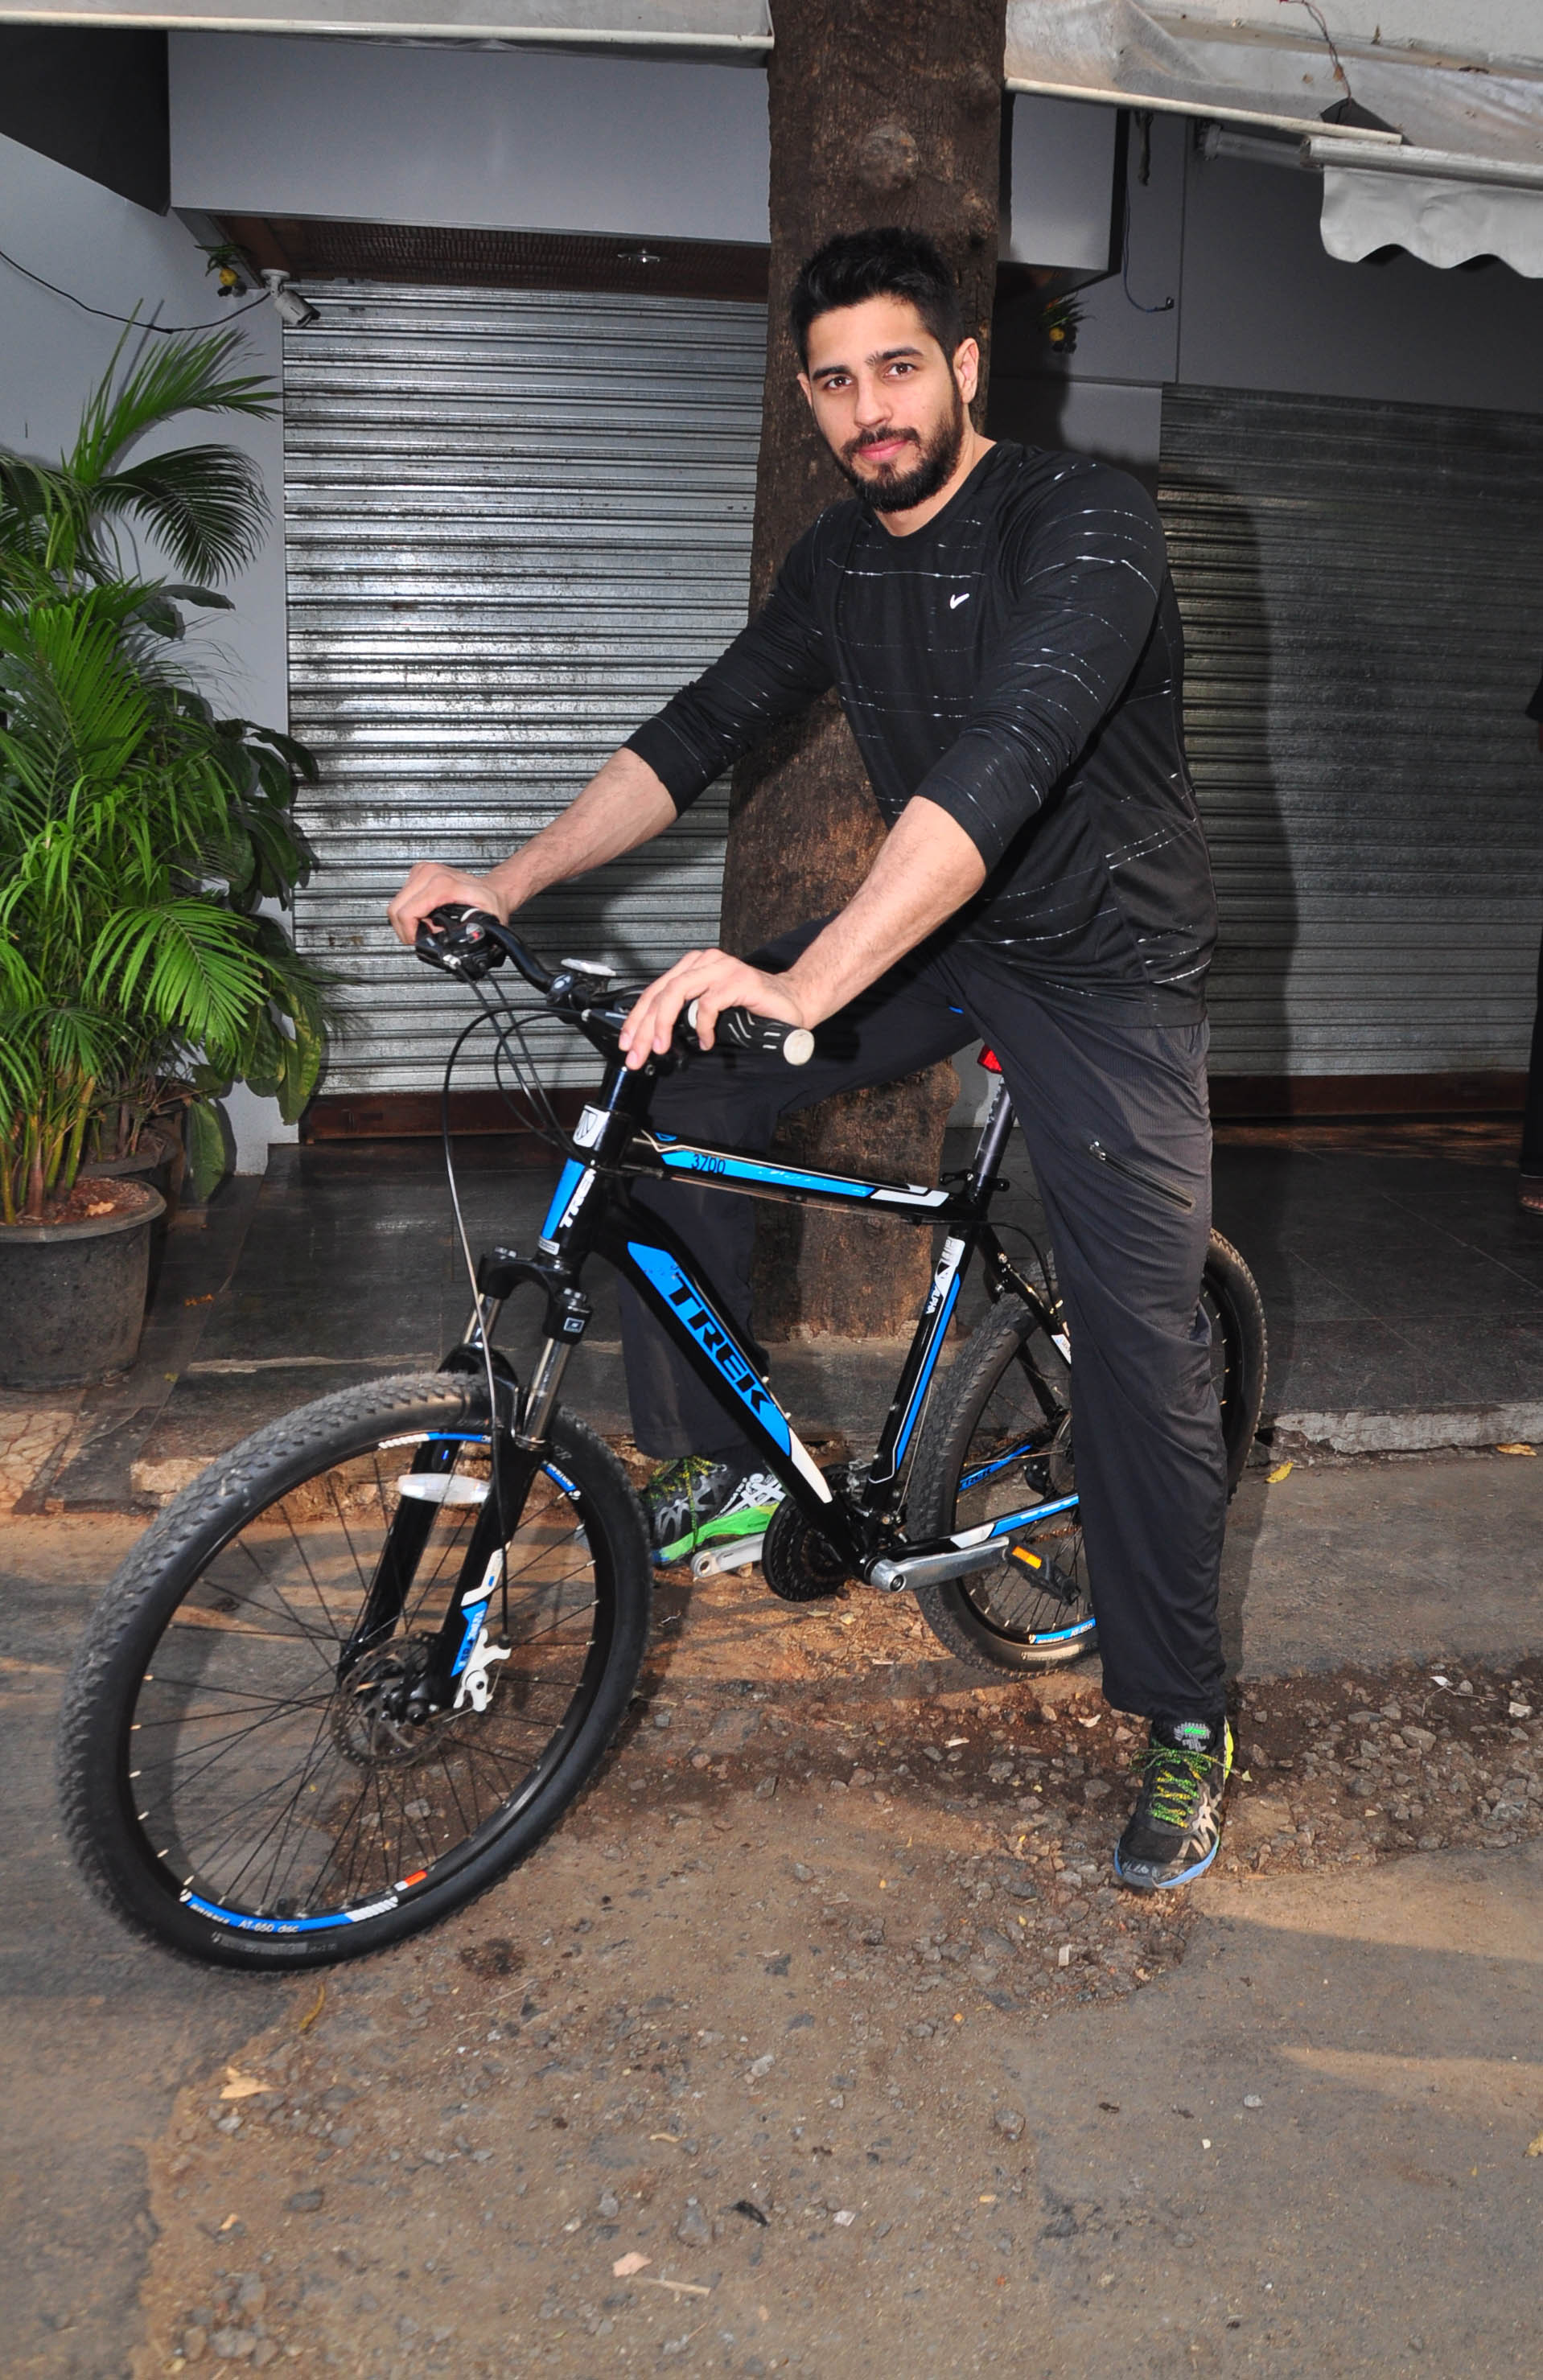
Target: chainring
[(796, 1562)]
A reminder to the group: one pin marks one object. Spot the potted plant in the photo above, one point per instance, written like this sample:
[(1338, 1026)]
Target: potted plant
[(140, 835)]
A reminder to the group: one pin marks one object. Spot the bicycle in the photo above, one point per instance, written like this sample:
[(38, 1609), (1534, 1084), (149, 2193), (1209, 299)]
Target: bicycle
[(360, 1668)]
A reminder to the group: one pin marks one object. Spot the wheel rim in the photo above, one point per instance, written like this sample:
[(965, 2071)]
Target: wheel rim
[(280, 1798), (1017, 1449)]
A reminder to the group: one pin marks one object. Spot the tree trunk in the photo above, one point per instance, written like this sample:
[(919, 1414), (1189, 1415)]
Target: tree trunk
[(880, 114)]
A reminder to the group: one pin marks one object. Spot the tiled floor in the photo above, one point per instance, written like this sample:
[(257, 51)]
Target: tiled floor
[(1395, 1278), (1398, 1275)]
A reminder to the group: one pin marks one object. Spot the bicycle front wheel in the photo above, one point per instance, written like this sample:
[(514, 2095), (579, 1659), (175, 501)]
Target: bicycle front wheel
[(242, 1783)]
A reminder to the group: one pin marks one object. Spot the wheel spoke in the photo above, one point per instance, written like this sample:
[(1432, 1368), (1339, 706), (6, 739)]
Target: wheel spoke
[(1002, 1439), (279, 1789), (272, 1781)]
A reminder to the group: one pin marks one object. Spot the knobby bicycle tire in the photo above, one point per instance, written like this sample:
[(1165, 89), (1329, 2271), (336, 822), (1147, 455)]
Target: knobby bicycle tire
[(234, 1790), (1003, 1419)]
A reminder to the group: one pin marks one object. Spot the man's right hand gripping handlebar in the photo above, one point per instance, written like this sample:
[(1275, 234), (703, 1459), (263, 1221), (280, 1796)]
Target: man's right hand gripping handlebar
[(468, 941), (713, 996)]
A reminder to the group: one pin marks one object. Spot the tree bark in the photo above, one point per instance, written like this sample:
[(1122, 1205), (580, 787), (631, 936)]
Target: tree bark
[(878, 114)]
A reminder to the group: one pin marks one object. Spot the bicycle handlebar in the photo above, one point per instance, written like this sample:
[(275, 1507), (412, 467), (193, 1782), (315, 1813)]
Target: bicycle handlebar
[(741, 1029), (470, 943)]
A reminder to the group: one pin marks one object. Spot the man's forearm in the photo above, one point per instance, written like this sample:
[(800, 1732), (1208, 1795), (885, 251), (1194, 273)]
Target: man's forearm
[(926, 869), (623, 805)]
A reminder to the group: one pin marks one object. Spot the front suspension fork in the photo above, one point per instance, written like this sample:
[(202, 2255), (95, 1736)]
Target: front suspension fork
[(462, 1643)]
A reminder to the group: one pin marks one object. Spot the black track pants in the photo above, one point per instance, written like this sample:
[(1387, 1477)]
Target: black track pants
[(1151, 1466)]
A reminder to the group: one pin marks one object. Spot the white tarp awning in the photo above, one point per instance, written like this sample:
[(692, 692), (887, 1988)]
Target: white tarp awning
[(699, 27), (1440, 207), (1461, 174)]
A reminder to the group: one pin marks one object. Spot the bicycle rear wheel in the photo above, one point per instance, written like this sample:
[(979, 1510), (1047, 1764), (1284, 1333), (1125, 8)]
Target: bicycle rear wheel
[(1000, 1433), (241, 1783), (1002, 1425)]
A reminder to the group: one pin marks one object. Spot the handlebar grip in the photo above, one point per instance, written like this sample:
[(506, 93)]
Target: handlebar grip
[(740, 1028), (456, 937)]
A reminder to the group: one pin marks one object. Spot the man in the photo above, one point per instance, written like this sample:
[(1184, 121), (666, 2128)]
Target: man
[(1004, 638)]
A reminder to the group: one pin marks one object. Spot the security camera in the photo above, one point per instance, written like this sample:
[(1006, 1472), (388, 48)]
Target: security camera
[(293, 308)]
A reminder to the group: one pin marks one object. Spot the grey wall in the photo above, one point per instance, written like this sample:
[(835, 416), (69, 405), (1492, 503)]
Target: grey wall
[(1259, 303), (517, 140), (119, 256), (1059, 181), (383, 132), (1107, 399), (91, 98), (1265, 306)]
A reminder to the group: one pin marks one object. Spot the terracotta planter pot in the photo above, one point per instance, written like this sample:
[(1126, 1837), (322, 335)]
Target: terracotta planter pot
[(73, 1294)]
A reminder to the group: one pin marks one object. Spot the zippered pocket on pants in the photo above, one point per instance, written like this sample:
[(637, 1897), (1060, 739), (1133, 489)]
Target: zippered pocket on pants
[(1134, 1172)]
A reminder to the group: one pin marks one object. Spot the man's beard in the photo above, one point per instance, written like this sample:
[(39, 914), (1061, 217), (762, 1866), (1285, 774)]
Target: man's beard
[(900, 492)]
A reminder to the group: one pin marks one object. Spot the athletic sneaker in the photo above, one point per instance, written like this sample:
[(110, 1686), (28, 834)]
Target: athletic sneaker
[(1176, 1825), (698, 1502)]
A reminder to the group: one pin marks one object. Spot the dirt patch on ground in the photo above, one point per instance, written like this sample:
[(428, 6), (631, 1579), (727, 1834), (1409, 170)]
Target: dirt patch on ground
[(749, 2016), (1407, 1759)]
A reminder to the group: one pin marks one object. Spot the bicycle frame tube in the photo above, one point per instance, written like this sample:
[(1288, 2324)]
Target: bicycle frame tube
[(693, 1313)]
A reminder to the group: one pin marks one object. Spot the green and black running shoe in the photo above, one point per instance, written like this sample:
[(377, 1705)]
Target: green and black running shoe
[(699, 1501), (1176, 1825)]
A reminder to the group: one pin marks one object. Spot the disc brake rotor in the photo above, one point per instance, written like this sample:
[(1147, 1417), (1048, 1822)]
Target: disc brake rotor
[(371, 1723)]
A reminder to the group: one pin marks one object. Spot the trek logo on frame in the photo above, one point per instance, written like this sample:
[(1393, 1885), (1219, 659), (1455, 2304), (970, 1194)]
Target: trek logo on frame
[(711, 1336)]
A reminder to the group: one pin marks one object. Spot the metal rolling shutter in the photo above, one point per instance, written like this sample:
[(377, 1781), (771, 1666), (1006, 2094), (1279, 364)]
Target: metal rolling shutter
[(515, 522), (1362, 591)]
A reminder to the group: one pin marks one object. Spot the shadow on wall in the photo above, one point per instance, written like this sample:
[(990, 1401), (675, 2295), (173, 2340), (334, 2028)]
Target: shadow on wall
[(1230, 697), (1229, 693), (1113, 424), (1035, 397)]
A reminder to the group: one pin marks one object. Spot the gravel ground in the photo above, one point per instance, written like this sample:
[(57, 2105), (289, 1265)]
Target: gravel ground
[(743, 2028)]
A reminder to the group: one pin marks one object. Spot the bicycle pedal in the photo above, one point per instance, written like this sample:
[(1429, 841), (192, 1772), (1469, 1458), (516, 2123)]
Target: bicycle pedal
[(711, 1561), (1045, 1573)]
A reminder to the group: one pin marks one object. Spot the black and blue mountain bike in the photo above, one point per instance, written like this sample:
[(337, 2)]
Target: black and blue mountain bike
[(358, 1669)]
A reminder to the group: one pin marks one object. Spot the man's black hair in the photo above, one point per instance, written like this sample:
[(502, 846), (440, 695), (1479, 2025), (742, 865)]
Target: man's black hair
[(882, 263)]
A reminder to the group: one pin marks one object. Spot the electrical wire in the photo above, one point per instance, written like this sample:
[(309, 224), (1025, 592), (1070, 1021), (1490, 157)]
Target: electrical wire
[(1315, 13), (495, 1462), (132, 322), (1167, 305)]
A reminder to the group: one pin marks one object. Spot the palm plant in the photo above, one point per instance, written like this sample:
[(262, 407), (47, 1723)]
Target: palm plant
[(139, 834)]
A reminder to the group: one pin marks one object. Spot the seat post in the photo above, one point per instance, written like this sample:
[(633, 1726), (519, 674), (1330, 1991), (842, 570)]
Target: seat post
[(992, 1142)]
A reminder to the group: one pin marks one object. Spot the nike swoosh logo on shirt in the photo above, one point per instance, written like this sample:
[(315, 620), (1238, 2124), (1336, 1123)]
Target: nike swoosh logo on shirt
[(954, 600)]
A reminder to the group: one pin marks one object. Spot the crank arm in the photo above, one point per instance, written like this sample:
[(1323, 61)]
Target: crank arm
[(715, 1562), (925, 1570), (973, 1549)]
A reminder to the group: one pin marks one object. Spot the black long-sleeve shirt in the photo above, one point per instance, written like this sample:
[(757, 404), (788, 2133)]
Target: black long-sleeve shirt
[(1019, 661)]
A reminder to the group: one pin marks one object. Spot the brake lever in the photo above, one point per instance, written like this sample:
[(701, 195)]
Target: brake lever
[(455, 938)]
